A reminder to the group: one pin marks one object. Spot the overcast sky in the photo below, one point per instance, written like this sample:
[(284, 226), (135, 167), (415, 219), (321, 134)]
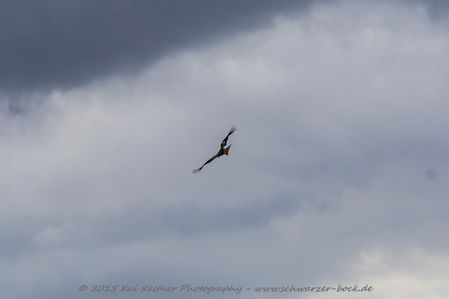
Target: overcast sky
[(338, 171)]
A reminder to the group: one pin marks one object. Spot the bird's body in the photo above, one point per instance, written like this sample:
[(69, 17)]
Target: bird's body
[(222, 151)]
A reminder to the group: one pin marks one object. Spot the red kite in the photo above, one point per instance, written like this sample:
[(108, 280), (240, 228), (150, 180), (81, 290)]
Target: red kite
[(223, 150)]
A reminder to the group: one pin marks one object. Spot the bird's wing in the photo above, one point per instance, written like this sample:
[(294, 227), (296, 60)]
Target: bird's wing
[(208, 161), (225, 140)]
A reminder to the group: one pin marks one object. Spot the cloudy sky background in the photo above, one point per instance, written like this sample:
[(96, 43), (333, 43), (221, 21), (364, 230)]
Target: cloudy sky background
[(337, 173)]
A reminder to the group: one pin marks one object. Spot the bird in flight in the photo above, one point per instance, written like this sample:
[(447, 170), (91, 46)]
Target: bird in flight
[(222, 151)]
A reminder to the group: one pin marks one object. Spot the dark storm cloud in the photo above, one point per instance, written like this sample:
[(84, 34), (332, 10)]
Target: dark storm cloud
[(341, 113), (58, 44)]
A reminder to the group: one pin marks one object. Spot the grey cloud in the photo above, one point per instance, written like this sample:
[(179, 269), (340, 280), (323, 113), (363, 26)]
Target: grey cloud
[(58, 44), (62, 44), (340, 113), (437, 8)]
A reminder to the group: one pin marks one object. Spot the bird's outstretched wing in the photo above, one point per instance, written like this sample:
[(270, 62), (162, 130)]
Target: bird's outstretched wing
[(222, 151), (208, 161), (225, 140)]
